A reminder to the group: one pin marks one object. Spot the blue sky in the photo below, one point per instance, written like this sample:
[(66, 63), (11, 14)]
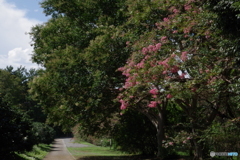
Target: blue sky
[(32, 8), (17, 18)]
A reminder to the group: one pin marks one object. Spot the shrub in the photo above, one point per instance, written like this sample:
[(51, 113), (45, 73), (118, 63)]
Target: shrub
[(42, 133)]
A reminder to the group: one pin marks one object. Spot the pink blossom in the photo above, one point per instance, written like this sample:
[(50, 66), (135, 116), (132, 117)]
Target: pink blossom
[(164, 72), (157, 24), (174, 69), (188, 138), (144, 50), (170, 143), (158, 46), (165, 19), (154, 91), (187, 7), (169, 96), (121, 69), (152, 104), (147, 57), (128, 84), (175, 31), (138, 83), (186, 30), (126, 72), (165, 62), (151, 48), (184, 141), (176, 11), (128, 42), (153, 63), (131, 63), (141, 64), (184, 55), (123, 104), (163, 38)]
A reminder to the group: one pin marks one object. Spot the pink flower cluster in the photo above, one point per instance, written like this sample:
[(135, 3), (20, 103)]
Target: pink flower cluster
[(174, 69), (152, 104), (130, 81), (184, 55), (163, 39), (170, 143), (154, 91), (141, 64), (126, 72), (151, 48), (169, 96), (187, 7), (164, 63), (124, 104)]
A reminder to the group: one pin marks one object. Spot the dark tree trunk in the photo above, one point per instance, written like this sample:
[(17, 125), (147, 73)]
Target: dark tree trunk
[(160, 135), (198, 153)]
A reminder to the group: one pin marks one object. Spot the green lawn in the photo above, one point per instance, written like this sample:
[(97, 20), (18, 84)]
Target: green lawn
[(100, 153), (38, 152)]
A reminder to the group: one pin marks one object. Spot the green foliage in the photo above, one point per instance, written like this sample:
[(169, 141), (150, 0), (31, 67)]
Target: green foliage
[(37, 153), (42, 133), (15, 129), (81, 55), (18, 110), (134, 133), (222, 136), (187, 50)]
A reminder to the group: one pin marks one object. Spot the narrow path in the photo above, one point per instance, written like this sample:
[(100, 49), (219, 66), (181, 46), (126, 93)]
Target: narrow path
[(59, 151)]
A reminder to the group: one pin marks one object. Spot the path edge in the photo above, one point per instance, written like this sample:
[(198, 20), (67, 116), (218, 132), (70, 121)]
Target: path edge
[(68, 150)]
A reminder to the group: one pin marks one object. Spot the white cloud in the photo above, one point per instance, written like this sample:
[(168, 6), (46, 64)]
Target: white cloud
[(14, 42), (17, 57)]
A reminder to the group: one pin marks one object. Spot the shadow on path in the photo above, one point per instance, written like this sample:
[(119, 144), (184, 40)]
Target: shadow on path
[(129, 158), (59, 151)]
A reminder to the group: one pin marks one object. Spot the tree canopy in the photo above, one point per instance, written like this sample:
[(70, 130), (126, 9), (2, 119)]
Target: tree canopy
[(159, 58)]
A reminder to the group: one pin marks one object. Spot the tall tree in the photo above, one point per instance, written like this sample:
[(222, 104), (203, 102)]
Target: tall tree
[(80, 56)]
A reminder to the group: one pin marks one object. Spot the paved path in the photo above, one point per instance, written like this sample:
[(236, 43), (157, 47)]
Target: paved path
[(69, 142), (59, 150)]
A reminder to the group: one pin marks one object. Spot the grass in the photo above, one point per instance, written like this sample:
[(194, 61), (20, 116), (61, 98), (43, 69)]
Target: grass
[(38, 152), (93, 152)]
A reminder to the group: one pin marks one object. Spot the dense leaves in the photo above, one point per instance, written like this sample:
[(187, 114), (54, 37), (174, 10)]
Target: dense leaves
[(14, 131), (176, 62), (19, 112)]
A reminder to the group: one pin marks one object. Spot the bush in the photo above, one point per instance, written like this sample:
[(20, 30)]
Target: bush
[(14, 129), (42, 133), (135, 134)]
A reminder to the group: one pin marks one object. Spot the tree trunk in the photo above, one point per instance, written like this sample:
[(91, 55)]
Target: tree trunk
[(198, 152), (160, 135)]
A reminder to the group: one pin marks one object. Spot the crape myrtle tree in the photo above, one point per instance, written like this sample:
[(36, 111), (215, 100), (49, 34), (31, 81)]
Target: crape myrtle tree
[(187, 60)]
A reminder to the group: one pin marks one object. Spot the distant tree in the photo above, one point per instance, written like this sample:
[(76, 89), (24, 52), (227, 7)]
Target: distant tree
[(18, 112), (15, 131)]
